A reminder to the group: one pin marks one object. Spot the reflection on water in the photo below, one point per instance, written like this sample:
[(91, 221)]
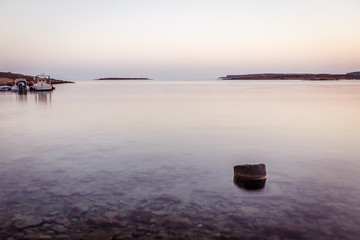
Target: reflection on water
[(21, 96), (250, 184), (154, 160), (43, 97)]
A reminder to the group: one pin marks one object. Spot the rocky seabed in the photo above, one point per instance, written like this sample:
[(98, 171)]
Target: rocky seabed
[(151, 205)]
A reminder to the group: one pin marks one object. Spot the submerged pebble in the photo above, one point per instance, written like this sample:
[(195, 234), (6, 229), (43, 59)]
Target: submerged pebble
[(27, 221), (196, 213)]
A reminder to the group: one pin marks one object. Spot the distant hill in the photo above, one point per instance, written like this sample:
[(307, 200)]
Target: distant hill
[(293, 76), (8, 78)]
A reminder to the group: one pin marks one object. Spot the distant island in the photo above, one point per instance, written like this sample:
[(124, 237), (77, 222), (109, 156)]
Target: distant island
[(295, 76), (117, 78), (8, 78)]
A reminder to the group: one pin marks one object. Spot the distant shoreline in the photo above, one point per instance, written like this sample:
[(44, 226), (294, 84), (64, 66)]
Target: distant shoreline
[(294, 76), (116, 78)]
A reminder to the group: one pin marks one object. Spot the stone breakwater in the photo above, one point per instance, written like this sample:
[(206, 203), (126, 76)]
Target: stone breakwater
[(143, 205)]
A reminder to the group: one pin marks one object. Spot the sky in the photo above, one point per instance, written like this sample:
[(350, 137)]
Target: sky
[(172, 39)]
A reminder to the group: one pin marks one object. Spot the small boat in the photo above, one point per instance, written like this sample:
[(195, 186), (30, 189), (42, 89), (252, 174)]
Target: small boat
[(20, 86), (4, 88), (42, 83)]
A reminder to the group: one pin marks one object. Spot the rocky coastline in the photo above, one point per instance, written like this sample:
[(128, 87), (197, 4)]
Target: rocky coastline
[(8, 79), (295, 76)]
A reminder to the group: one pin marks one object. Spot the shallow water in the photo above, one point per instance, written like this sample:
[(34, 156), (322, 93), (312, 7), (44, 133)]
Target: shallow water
[(154, 160)]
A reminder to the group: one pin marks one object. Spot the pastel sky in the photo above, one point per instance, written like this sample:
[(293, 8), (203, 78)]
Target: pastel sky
[(161, 39)]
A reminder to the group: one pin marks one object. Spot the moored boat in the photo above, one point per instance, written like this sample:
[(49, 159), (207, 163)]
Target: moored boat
[(42, 83), (4, 88), (20, 86)]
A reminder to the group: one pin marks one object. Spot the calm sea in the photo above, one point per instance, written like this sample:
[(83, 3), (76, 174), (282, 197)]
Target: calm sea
[(154, 160)]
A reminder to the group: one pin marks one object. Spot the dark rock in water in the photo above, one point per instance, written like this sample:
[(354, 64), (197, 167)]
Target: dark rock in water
[(250, 176), (27, 221), (250, 171)]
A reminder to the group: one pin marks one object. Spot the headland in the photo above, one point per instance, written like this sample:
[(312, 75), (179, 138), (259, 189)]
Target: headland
[(8, 78), (295, 76)]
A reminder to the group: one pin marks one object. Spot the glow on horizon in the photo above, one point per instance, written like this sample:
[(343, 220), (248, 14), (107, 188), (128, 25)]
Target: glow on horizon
[(178, 39)]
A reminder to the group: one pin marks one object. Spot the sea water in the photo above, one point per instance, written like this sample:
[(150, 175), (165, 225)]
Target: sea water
[(154, 159)]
